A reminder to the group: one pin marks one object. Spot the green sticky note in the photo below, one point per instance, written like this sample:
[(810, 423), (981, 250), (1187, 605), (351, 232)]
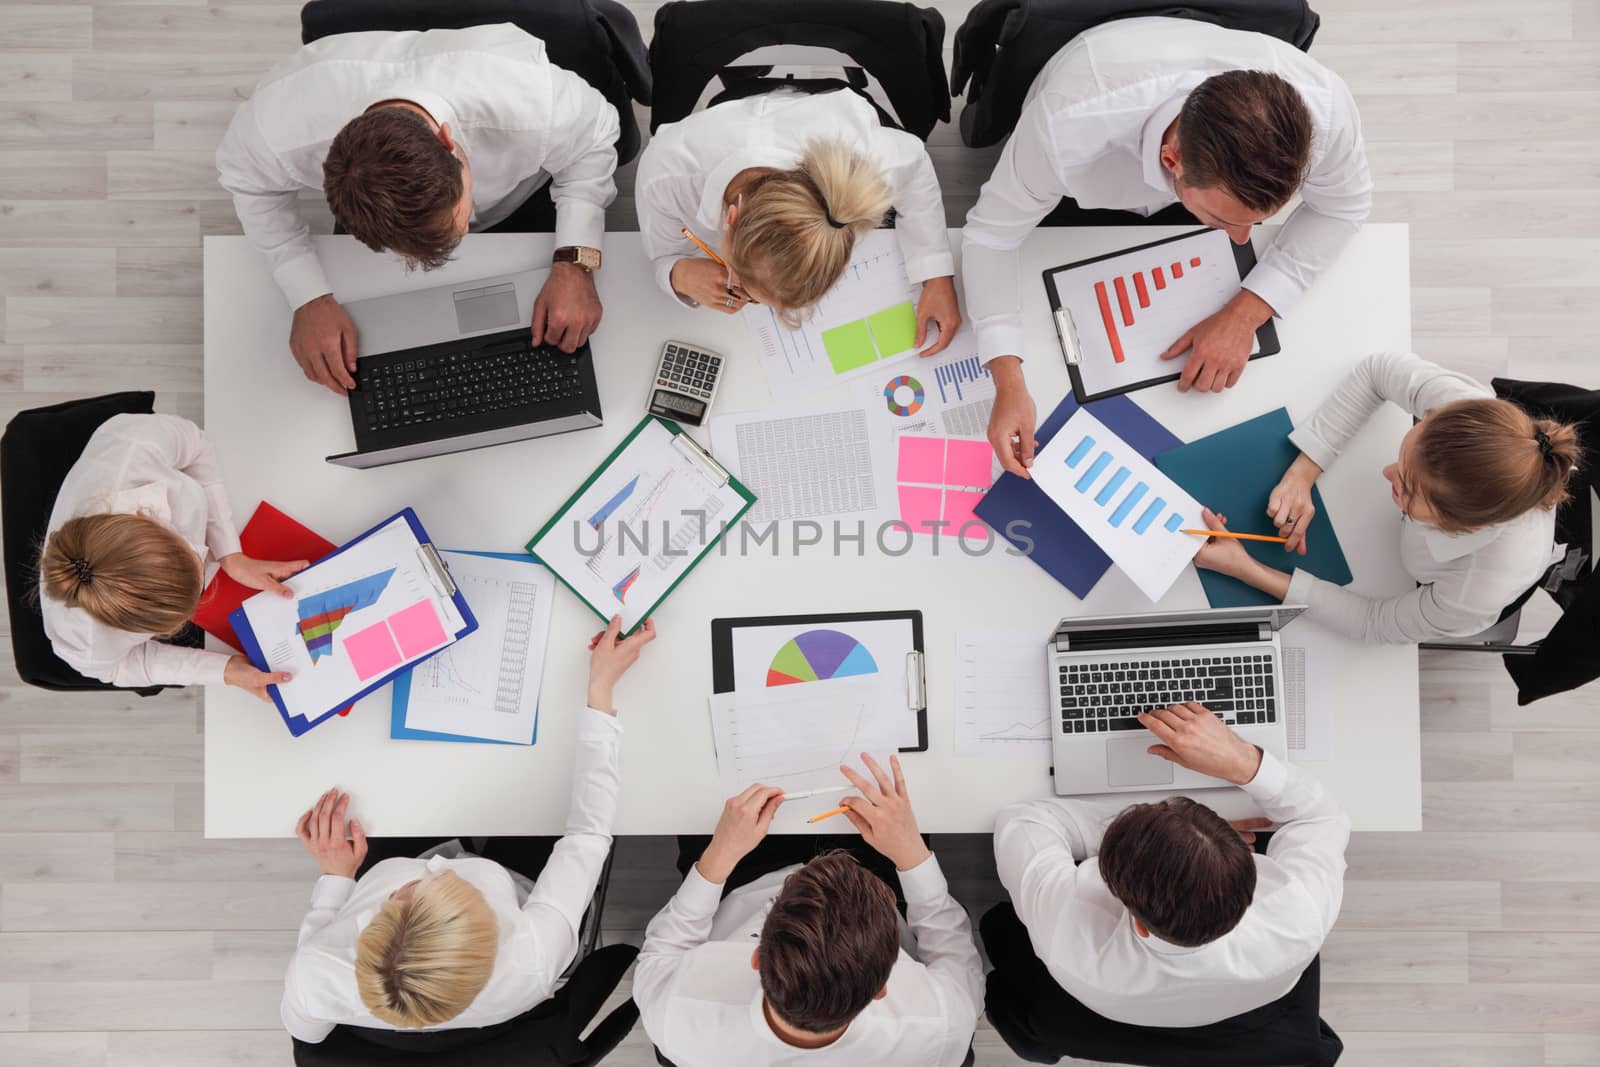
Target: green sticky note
[(895, 329), (849, 346)]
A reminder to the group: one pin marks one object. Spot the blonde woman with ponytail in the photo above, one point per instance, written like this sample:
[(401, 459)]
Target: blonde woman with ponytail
[(779, 188), (139, 527), (1477, 482)]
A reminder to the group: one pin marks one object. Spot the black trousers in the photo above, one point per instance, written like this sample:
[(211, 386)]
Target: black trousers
[(525, 855)]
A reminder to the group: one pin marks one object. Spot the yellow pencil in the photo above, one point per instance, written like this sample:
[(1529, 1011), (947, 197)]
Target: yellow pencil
[(827, 815), (704, 247), (1236, 536)]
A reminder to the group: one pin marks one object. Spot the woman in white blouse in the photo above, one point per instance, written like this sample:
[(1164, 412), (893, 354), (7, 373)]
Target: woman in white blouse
[(449, 940), (784, 184), (141, 524), (1477, 481)]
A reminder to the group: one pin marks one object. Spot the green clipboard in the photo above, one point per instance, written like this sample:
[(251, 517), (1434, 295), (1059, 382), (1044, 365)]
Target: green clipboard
[(692, 450)]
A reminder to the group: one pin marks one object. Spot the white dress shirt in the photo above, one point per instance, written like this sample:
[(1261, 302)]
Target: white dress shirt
[(1091, 129), (1044, 850), (518, 118), (685, 169), (161, 467), (538, 936), (701, 1002), (1466, 579)]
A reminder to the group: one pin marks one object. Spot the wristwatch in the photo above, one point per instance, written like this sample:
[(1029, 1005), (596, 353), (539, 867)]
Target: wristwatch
[(587, 259)]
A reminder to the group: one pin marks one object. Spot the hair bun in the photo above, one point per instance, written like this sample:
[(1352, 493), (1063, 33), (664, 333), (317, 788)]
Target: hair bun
[(83, 570)]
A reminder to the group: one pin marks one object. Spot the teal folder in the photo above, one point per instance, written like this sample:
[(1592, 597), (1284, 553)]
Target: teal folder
[(1233, 472)]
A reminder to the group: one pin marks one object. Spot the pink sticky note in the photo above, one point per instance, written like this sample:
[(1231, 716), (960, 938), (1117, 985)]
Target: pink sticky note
[(919, 508), (417, 629), (921, 460), (372, 651), (969, 463), (958, 514)]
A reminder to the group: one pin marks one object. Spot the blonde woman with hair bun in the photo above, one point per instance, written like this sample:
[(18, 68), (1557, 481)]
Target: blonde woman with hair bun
[(139, 527), (446, 939), (780, 187)]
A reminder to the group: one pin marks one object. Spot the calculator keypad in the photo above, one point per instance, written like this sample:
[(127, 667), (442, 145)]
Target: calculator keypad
[(689, 371)]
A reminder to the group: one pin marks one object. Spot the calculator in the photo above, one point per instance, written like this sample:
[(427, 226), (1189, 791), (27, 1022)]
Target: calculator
[(686, 382)]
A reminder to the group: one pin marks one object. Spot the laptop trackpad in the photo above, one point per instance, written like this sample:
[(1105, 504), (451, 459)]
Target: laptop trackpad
[(490, 307), (1127, 763)]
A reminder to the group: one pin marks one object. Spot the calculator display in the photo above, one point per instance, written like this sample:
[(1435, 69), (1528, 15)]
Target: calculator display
[(679, 405)]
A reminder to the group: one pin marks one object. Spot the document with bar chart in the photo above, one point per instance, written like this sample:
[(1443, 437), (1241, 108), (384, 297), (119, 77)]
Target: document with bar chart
[(1116, 314), (1132, 511)]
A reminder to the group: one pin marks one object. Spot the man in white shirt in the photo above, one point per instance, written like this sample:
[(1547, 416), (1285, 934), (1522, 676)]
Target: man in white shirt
[(1169, 919), (416, 138), (450, 940), (1137, 114), (809, 964)]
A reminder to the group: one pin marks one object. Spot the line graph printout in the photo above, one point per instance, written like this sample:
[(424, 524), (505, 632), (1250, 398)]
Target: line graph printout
[(866, 320), (1128, 309), (487, 684), (796, 737), (1130, 509), (1003, 707)]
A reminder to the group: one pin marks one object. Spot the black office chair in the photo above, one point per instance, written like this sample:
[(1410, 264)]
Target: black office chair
[(550, 1035), (1042, 1023), (598, 40), (1565, 658), (968, 1062), (1003, 45), (898, 44), (38, 449)]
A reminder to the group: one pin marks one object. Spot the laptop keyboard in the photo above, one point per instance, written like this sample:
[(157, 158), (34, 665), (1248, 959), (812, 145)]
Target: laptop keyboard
[(417, 388), (1103, 697)]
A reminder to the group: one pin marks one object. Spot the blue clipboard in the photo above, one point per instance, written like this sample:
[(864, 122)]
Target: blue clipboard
[(399, 731), (299, 724)]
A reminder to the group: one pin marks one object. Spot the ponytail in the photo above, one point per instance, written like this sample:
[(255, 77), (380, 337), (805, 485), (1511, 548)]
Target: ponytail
[(797, 228), (1482, 462), (127, 571)]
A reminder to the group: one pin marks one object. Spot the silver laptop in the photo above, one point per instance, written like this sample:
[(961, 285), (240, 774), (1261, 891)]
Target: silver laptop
[(454, 367), (1104, 671)]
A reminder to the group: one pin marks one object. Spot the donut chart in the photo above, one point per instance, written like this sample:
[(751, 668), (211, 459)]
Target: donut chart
[(817, 655), (891, 394)]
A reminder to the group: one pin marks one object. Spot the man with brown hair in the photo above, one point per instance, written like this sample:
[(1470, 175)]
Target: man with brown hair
[(415, 138), (757, 962), (1168, 116), (1170, 919)]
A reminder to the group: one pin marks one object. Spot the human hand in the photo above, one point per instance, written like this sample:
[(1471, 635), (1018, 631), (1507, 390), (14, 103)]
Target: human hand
[(1221, 554), (322, 340), (1193, 737), (610, 656), (322, 830), (883, 815), (706, 283), (1219, 345), (744, 822), (567, 309), (1013, 418), (261, 573), (1246, 828), (242, 673), (937, 305), (1290, 506)]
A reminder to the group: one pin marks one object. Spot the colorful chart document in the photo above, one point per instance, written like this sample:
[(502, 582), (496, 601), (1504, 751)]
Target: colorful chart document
[(948, 395), (866, 319), (1128, 507)]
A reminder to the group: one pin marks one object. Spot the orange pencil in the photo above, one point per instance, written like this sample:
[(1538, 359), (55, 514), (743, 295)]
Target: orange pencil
[(704, 247), (827, 815), (1236, 536)]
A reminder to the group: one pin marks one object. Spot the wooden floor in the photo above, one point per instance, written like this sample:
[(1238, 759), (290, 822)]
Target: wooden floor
[(127, 939)]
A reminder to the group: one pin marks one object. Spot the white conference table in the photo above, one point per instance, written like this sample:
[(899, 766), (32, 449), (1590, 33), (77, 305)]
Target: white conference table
[(272, 430)]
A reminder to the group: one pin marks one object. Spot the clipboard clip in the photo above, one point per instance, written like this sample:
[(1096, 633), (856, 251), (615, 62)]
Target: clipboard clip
[(1067, 336), (916, 683), (691, 450), (437, 571)]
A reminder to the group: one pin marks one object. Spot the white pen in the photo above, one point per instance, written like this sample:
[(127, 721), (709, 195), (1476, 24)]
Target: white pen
[(817, 792)]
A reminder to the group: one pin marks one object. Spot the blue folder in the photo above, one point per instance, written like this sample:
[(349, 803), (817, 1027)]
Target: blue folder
[(398, 729), (1059, 546), (299, 724), (1233, 472)]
